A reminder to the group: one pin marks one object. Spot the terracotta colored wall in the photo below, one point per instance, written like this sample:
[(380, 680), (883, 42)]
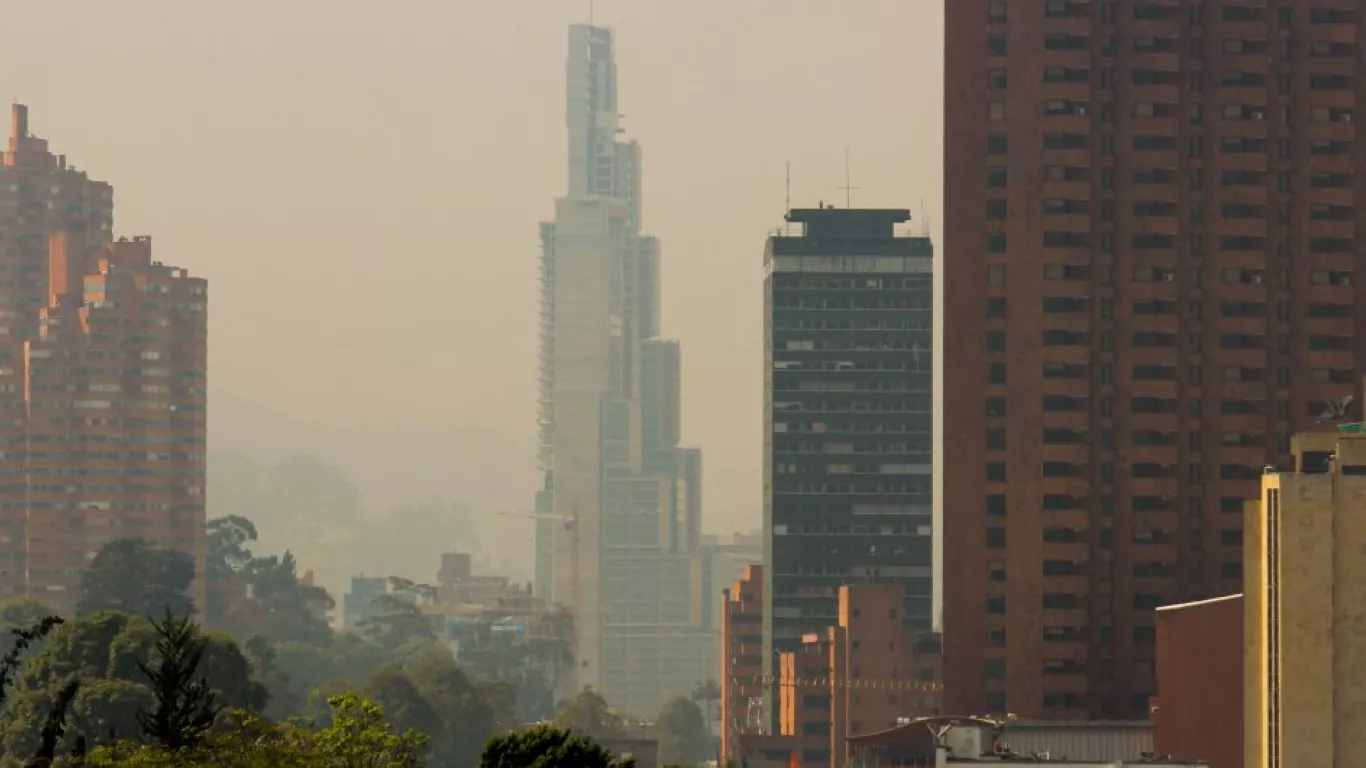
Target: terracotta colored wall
[(1198, 711)]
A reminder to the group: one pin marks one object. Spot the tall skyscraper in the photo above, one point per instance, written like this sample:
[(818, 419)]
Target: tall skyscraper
[(847, 419), (103, 378), (619, 532), (1150, 284)]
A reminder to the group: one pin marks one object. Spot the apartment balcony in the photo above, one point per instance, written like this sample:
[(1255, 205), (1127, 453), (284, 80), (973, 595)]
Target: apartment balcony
[(1066, 190), (1079, 454), (1331, 98), (1343, 229), (1332, 131), (1077, 387), (1343, 196), (1334, 358), (1153, 454)]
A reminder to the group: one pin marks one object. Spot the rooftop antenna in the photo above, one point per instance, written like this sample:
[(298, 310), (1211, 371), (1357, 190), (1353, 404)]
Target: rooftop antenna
[(848, 186), (787, 200)]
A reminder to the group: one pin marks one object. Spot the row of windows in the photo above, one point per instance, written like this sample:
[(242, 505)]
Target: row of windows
[(996, 341), (996, 504), (1195, 375), (996, 275), (998, 209), (998, 177), (1255, 12), (996, 539), (1195, 308), (1195, 475), (996, 406)]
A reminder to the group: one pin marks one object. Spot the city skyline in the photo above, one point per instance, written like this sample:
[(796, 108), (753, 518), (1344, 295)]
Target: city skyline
[(460, 191)]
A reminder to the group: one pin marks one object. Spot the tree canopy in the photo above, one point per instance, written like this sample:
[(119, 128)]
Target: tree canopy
[(548, 747), (136, 576), (682, 734)]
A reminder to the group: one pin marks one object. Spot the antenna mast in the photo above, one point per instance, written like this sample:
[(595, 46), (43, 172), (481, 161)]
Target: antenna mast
[(848, 184), (590, 13), (787, 200)]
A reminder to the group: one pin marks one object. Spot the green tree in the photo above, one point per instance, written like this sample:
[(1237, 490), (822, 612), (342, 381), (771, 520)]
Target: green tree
[(184, 710), (136, 576), (400, 618), (293, 612), (467, 711), (548, 747), (103, 651), (226, 550), (682, 733), (588, 713), (708, 694), (358, 736)]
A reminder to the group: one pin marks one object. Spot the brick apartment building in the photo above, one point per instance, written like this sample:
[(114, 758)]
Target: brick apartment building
[(742, 648), (1149, 286), (867, 674), (103, 379)]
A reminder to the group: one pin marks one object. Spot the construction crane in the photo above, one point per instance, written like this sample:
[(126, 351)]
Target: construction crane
[(571, 524)]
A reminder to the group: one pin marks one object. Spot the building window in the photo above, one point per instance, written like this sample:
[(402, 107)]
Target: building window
[(996, 45), (996, 373), (996, 570), (997, 177), (996, 669), (997, 144), (996, 605), (996, 472), (996, 306), (996, 505), (997, 208), (996, 111), (996, 439), (996, 341)]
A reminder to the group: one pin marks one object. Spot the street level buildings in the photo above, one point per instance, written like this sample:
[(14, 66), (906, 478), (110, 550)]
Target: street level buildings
[(1150, 283), (847, 419), (619, 508), (103, 380)]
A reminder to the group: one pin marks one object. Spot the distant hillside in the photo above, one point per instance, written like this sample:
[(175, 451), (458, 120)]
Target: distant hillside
[(385, 502), (392, 463)]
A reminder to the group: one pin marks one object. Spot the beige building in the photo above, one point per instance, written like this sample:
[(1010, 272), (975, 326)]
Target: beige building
[(1305, 665)]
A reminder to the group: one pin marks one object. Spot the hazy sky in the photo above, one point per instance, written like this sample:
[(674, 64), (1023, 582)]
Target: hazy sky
[(361, 182)]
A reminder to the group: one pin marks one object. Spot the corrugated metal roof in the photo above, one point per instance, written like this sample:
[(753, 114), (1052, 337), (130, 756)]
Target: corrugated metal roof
[(1096, 741)]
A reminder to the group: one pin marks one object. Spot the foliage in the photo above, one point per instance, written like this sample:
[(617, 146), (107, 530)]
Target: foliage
[(682, 733), (136, 576), (708, 694), (185, 708), (103, 651), (588, 714), (399, 618), (534, 666), (24, 638), (358, 736), (548, 747)]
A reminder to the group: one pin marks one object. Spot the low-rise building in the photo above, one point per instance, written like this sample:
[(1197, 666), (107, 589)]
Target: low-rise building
[(1198, 710), (940, 742)]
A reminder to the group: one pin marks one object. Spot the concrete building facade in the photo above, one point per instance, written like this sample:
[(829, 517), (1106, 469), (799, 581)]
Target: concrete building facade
[(1305, 654), (619, 507), (847, 419), (103, 376), (1150, 278)]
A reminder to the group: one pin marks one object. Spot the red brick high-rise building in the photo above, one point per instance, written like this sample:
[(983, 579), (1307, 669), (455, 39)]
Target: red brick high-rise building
[(102, 382), (1150, 283)]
